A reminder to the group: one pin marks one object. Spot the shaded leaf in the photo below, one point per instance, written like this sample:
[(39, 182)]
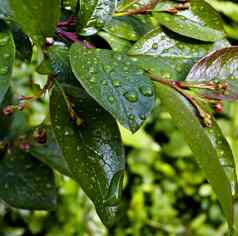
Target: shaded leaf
[(60, 64), (50, 153), (5, 121), (94, 14), (200, 22), (115, 82), (206, 144), (27, 183), (93, 151), (168, 55), (24, 47), (37, 18), (219, 66)]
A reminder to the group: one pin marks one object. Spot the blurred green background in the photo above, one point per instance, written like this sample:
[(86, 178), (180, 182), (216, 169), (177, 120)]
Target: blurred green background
[(165, 192)]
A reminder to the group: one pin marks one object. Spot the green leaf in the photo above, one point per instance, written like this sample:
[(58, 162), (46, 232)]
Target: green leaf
[(129, 27), (5, 121), (27, 183), (219, 66), (208, 145), (60, 64), (4, 9), (94, 14), (24, 47), (115, 82), (168, 55), (50, 153), (200, 22), (37, 18), (93, 150), (7, 57), (117, 44)]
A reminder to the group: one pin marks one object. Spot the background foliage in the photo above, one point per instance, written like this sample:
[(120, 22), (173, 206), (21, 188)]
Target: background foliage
[(165, 191)]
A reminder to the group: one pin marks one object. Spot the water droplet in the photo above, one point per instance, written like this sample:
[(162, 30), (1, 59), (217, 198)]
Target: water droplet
[(104, 82), (91, 70), (48, 186), (4, 40), (155, 46), (4, 70), (111, 99), (131, 96), (93, 79), (68, 132), (221, 153), (146, 91), (119, 57), (116, 83), (6, 186), (131, 117), (143, 117), (6, 55), (108, 68)]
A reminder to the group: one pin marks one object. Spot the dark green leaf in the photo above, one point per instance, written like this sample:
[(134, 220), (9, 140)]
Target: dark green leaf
[(168, 55), (5, 121), (200, 22), (22, 42), (37, 18), (7, 57), (94, 14), (93, 151), (219, 66), (208, 145), (50, 153), (27, 183), (60, 64), (115, 82)]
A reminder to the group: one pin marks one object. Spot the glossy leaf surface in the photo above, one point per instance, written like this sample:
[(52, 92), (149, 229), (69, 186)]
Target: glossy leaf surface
[(94, 14), (115, 82), (7, 57), (200, 22), (203, 143), (219, 66), (27, 183), (93, 150), (168, 55), (37, 18)]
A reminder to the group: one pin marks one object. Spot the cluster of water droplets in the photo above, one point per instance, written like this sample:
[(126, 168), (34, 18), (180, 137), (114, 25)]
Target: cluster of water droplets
[(4, 56)]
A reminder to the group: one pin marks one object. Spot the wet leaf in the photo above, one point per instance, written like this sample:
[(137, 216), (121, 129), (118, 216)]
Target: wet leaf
[(5, 121), (60, 64), (94, 14), (27, 183), (7, 57), (129, 27), (37, 18), (168, 55), (117, 44), (115, 82), (200, 22), (24, 47), (219, 66), (93, 150), (208, 145)]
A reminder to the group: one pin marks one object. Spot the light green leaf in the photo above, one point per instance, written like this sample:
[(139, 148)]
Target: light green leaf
[(208, 145), (115, 82), (200, 22), (37, 18)]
